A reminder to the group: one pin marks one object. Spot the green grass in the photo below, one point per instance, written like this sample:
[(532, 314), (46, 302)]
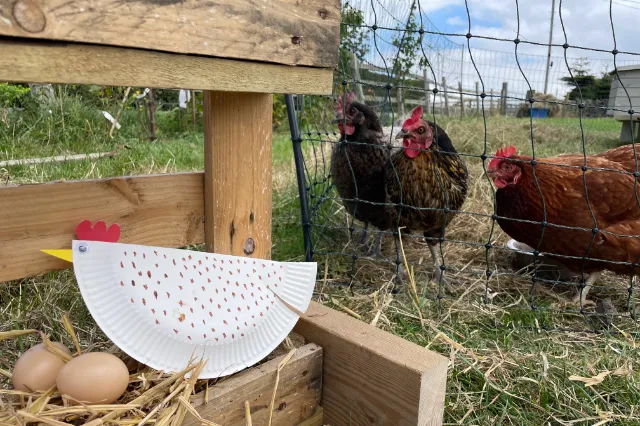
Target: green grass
[(497, 373)]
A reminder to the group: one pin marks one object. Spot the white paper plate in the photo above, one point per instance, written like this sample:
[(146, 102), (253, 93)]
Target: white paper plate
[(163, 306)]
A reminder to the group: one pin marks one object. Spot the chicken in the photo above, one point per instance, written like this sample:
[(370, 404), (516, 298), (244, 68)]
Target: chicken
[(428, 179), (166, 306), (358, 163), (604, 220)]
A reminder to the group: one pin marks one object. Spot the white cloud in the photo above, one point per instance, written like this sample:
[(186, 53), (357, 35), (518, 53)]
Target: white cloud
[(586, 24), (456, 21)]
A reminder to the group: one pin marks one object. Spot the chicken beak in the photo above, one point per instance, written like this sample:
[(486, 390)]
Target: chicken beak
[(340, 120), (401, 134), (66, 254)]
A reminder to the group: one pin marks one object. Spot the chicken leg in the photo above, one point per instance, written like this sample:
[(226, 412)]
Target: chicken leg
[(581, 297), (401, 272), (438, 274), (364, 234), (375, 251)]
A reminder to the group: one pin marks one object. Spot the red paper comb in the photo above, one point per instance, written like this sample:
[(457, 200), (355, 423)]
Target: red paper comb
[(506, 152), (99, 232)]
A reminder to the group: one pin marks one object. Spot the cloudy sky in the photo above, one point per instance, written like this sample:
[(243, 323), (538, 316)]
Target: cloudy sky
[(586, 23)]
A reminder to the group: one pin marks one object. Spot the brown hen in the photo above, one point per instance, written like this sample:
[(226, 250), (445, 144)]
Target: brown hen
[(598, 229), (426, 182)]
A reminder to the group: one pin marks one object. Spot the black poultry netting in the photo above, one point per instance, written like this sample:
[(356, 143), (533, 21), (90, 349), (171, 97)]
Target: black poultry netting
[(478, 162)]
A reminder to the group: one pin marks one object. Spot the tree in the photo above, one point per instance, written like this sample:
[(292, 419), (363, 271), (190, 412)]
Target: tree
[(354, 39), (590, 86), (408, 41)]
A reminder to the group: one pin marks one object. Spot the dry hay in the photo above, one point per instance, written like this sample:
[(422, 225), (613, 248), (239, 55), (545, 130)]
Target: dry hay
[(152, 397), (542, 101), (509, 290)]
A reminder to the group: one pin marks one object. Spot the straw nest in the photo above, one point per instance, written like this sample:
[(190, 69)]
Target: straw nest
[(152, 397)]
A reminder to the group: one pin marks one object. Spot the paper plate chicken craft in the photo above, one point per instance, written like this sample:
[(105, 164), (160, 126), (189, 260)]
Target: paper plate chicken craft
[(164, 306)]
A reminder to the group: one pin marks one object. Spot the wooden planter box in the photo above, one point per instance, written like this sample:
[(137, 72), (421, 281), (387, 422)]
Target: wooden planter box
[(350, 373), (355, 375)]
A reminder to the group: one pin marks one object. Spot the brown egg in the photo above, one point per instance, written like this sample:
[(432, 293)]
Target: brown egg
[(94, 378), (37, 369), (42, 347)]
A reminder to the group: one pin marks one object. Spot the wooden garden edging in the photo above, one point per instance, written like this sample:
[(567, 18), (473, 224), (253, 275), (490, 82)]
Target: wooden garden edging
[(369, 377)]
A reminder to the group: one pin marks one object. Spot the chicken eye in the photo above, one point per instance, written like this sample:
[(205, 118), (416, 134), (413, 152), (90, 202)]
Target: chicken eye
[(421, 130), (353, 111)]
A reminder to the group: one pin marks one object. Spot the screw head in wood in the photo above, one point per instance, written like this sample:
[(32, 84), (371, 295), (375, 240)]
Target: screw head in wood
[(249, 246)]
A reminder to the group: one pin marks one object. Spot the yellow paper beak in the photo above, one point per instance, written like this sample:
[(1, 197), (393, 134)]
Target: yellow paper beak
[(66, 254)]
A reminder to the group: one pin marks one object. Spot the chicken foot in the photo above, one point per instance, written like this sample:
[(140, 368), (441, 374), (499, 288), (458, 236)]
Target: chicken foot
[(581, 297)]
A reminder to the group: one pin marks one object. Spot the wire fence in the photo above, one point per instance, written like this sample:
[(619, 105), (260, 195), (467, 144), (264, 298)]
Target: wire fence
[(414, 148)]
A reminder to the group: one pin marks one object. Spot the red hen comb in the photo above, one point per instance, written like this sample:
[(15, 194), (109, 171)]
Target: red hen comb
[(416, 115), (99, 232), (506, 152), (351, 96)]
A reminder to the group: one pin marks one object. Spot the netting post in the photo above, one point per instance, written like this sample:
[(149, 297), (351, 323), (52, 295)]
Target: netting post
[(461, 100), (356, 78), (446, 96), (152, 114), (477, 98), (503, 100), (491, 102), (426, 90), (302, 185)]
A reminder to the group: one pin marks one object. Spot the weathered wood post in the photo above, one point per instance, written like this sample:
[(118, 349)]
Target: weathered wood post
[(446, 96), (427, 91)]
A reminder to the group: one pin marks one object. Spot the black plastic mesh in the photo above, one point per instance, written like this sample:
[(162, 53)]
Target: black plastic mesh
[(472, 249)]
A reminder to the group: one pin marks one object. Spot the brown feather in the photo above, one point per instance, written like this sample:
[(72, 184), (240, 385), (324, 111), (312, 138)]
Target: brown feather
[(425, 186), (613, 207)]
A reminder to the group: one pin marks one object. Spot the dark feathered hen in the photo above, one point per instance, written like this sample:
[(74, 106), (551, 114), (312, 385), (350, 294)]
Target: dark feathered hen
[(358, 163), (425, 178)]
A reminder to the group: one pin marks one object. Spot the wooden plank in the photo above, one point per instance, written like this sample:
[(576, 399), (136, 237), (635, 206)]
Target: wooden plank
[(371, 377), (238, 173), (288, 32), (317, 419), (297, 399), (161, 210), (42, 62)]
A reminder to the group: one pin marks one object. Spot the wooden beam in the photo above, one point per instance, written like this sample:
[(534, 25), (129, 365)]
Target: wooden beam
[(288, 32), (317, 419), (371, 377), (161, 210), (297, 399), (237, 144), (61, 63)]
